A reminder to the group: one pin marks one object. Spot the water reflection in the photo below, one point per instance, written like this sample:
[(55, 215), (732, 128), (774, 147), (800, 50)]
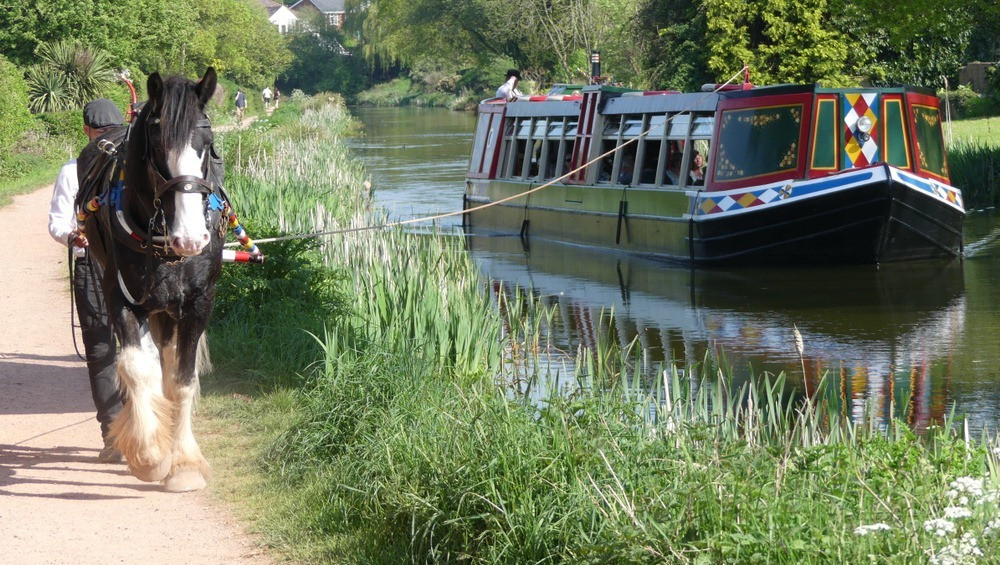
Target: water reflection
[(885, 337)]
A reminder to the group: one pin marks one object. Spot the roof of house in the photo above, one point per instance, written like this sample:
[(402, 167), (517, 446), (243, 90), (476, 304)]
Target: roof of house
[(271, 6), (325, 6)]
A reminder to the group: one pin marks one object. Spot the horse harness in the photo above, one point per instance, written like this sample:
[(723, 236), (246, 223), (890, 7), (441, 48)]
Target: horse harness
[(103, 189)]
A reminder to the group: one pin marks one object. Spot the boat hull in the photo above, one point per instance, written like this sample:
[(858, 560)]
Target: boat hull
[(872, 215)]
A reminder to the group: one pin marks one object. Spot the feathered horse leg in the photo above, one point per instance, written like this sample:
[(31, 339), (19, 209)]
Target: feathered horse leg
[(189, 469), (143, 429)]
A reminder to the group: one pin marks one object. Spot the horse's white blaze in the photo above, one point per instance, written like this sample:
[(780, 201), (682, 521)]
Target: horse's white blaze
[(189, 235)]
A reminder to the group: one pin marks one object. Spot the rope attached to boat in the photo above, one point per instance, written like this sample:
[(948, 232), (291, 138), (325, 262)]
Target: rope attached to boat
[(547, 184)]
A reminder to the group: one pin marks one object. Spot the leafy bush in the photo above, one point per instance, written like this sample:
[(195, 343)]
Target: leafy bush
[(15, 119), (68, 124), (966, 103), (993, 79)]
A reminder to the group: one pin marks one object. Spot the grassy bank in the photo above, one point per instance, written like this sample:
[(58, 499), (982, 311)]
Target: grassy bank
[(402, 92), (360, 412)]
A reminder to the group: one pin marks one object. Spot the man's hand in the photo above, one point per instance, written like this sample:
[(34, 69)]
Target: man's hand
[(78, 239)]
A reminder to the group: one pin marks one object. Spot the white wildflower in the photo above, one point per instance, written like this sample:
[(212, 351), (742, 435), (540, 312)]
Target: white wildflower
[(956, 512), (866, 529), (991, 496), (964, 550), (939, 526), (992, 527), (968, 485)]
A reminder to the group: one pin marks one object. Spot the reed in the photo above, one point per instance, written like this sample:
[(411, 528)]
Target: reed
[(975, 169), (423, 425)]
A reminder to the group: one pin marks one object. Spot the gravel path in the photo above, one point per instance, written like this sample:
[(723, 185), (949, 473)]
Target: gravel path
[(57, 504)]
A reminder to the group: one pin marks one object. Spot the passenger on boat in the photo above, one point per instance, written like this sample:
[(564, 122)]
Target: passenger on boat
[(697, 172), (627, 169), (674, 168), (508, 90)]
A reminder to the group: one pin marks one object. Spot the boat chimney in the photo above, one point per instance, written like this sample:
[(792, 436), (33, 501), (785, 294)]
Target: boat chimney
[(595, 67)]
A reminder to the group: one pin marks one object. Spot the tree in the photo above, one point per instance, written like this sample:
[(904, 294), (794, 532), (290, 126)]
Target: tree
[(168, 36), (782, 41), (69, 76), (14, 116), (671, 35), (237, 39), (321, 63)]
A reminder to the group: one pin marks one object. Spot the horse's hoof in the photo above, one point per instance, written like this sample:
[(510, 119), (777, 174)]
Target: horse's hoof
[(151, 473), (184, 481)]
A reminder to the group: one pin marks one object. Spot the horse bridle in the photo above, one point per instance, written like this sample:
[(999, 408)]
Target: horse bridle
[(188, 184)]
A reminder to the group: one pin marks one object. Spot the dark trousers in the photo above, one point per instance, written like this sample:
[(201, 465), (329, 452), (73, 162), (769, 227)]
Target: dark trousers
[(98, 341)]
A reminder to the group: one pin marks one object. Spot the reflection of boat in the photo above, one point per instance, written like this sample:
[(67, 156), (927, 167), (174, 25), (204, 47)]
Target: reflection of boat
[(879, 333), (795, 174)]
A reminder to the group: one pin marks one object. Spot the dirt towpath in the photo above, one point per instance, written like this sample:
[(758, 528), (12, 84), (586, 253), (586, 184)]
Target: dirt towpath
[(57, 504)]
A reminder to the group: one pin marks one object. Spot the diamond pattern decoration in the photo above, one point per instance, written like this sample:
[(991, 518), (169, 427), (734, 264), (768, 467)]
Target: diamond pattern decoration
[(860, 150)]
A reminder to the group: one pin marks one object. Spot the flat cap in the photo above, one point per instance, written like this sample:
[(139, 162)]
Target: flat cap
[(102, 113)]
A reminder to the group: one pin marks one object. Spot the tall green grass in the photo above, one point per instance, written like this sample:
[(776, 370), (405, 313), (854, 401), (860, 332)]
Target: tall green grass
[(411, 434), (975, 169)]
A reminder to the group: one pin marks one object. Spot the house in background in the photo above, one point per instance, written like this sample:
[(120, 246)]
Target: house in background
[(332, 10), (279, 15)]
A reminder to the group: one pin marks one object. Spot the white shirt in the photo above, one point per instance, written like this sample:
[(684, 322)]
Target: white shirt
[(267, 92), (62, 209), (507, 90)]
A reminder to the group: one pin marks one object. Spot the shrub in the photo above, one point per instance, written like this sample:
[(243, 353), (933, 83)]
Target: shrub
[(68, 123), (966, 103), (15, 119)]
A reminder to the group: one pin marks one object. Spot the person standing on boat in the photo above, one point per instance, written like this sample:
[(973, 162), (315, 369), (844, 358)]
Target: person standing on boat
[(508, 90)]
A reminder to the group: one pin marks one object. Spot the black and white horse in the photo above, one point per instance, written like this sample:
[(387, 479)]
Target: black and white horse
[(159, 236)]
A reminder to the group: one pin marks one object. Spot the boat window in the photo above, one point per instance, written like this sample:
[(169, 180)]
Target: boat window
[(555, 129), (610, 140), (509, 128), (896, 150), (626, 165), (656, 126), (930, 143), (650, 158), (570, 128), (679, 126), (519, 148), (565, 157), (612, 126), (540, 128), (758, 141), (674, 156), (699, 162), (824, 152), (524, 128), (703, 126), (632, 126)]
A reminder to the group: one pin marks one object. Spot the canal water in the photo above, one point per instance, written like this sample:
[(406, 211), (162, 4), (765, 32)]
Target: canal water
[(913, 340)]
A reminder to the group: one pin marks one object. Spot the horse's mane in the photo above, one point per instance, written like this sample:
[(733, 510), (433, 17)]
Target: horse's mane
[(179, 111)]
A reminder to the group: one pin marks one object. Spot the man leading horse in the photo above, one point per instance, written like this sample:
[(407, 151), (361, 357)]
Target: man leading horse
[(99, 117)]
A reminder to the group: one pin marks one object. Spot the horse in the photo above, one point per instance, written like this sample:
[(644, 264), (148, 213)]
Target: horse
[(158, 234)]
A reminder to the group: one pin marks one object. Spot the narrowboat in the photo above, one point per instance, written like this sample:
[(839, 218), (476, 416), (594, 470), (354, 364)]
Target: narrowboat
[(738, 175)]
